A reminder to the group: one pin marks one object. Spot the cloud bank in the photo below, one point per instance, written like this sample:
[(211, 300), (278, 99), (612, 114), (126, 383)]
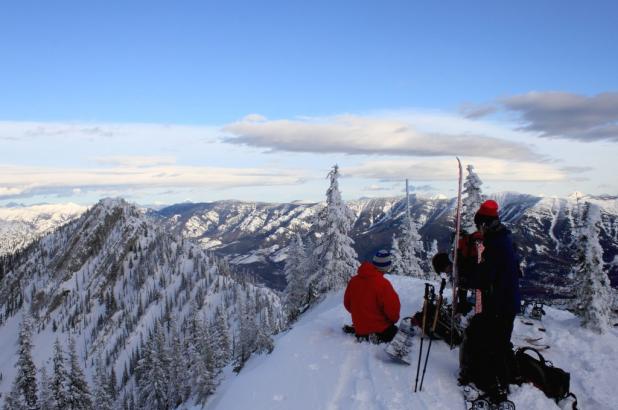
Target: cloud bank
[(555, 114), (357, 135), (445, 170), (21, 181)]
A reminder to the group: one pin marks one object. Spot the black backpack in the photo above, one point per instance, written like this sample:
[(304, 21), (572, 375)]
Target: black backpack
[(552, 381)]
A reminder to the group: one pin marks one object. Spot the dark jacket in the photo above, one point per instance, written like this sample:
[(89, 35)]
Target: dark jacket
[(498, 273), (371, 300)]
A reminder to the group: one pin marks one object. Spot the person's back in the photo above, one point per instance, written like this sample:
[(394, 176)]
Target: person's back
[(372, 301)]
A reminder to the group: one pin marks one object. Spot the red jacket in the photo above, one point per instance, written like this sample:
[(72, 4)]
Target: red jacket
[(371, 300)]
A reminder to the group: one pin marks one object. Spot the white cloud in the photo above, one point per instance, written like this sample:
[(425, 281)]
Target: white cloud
[(91, 131), (135, 161), (446, 170), (29, 181), (410, 135)]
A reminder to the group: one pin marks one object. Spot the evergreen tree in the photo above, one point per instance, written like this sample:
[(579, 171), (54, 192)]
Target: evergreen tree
[(60, 379), (472, 199), (78, 393), (178, 369), (296, 276), (406, 250), (153, 368), (15, 400), (23, 395), (594, 291), (222, 336), (334, 254), (247, 334), (101, 393), (46, 399)]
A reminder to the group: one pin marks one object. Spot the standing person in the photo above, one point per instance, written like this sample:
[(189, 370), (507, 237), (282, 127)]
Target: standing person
[(486, 355), (497, 273), (487, 351), (372, 301)]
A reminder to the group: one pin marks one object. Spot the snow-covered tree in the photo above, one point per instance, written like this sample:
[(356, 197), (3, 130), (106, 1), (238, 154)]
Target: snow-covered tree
[(223, 338), (60, 378), (152, 369), (407, 249), (336, 258), (472, 199), (23, 395), (78, 397), (101, 393), (593, 285), (296, 274), (247, 333), (199, 370), (46, 399)]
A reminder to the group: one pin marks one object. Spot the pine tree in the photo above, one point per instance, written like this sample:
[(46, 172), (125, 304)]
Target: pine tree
[(247, 334), (23, 395), (46, 399), (78, 393), (153, 368), (222, 336), (296, 276), (15, 400), (594, 291), (60, 379), (336, 258), (406, 250), (178, 367), (102, 396), (472, 199)]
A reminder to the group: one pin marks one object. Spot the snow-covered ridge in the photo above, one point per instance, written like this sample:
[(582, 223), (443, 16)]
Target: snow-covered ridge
[(316, 366), (544, 229), (21, 225), (106, 278)]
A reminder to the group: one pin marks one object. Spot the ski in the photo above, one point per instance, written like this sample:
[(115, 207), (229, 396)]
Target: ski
[(455, 245)]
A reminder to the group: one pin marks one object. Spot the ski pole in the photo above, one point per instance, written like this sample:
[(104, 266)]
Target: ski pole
[(433, 329), (420, 351), (455, 248)]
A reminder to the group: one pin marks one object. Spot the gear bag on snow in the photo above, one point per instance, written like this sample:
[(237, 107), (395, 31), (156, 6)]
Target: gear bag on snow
[(443, 327), (552, 381)]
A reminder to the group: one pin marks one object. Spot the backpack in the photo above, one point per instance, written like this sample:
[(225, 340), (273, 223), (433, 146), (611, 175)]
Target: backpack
[(552, 381), (443, 327), (467, 254)]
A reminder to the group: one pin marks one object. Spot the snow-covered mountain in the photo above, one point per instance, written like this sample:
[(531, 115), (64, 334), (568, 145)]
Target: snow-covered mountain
[(20, 225), (316, 366), (256, 235), (107, 277)]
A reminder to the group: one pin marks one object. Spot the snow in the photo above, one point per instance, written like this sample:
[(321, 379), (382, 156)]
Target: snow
[(316, 366)]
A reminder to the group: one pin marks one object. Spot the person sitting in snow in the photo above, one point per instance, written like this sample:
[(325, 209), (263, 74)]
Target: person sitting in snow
[(372, 301)]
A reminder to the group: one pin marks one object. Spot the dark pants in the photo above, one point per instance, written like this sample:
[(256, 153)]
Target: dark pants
[(383, 337), (486, 355)]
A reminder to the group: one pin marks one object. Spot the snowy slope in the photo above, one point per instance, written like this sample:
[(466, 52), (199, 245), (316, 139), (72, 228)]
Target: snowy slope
[(256, 235), (21, 225), (316, 366), (105, 278)]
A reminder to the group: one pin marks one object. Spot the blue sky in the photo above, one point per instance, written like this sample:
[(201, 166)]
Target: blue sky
[(110, 98)]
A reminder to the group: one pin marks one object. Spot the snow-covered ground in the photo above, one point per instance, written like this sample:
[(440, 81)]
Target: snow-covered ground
[(315, 366)]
